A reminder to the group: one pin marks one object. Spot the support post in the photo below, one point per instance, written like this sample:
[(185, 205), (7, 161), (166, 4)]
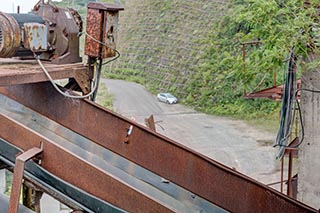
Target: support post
[(289, 189), (18, 175), (281, 182)]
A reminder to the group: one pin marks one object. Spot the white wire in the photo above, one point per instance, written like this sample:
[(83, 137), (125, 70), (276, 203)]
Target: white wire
[(104, 44), (58, 89), (96, 82), (95, 40)]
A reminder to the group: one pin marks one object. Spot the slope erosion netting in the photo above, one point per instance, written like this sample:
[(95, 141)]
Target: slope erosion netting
[(160, 41)]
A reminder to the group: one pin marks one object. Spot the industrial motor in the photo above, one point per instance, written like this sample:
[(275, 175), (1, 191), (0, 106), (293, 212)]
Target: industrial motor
[(50, 31)]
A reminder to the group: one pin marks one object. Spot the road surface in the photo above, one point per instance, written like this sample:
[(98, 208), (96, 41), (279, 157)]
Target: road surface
[(231, 142)]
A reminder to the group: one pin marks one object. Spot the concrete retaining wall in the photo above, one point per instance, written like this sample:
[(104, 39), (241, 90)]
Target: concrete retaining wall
[(309, 165)]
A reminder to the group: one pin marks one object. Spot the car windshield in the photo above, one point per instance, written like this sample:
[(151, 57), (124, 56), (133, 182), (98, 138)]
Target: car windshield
[(170, 96)]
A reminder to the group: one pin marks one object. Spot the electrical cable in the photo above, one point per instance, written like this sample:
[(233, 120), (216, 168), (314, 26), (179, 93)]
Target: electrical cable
[(300, 114), (94, 94), (98, 72), (288, 102), (309, 90), (93, 97), (282, 143), (104, 44), (37, 57)]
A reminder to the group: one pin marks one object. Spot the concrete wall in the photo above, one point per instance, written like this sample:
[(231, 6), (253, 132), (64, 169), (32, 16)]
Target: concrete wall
[(309, 165)]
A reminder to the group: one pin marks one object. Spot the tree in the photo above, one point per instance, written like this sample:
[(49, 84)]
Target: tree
[(279, 25)]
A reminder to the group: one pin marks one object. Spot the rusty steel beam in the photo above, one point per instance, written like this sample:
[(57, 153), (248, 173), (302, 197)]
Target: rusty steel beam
[(74, 170), (204, 177), (18, 176), (21, 72), (273, 93)]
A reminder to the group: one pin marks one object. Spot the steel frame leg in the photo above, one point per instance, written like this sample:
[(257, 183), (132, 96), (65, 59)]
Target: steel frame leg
[(18, 175)]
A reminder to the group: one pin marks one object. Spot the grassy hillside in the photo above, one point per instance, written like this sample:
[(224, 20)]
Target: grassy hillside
[(193, 49), (161, 41), (168, 46)]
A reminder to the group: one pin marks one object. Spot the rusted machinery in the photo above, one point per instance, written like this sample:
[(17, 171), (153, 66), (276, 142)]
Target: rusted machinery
[(50, 31), (84, 156), (51, 35)]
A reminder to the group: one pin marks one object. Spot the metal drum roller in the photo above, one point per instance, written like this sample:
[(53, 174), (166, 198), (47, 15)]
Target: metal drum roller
[(10, 36)]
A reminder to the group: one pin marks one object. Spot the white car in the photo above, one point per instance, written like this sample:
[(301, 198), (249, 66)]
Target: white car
[(167, 98)]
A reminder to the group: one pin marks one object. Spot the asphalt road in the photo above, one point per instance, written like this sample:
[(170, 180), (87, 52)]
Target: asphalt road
[(231, 142)]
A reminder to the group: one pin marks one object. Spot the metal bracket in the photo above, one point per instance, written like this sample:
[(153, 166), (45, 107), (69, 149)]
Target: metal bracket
[(84, 80), (150, 123), (18, 175)]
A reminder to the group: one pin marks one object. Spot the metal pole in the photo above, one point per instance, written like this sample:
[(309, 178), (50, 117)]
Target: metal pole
[(18, 176), (289, 189), (244, 66), (281, 178)]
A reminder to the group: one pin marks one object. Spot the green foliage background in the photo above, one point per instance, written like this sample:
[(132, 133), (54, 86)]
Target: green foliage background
[(280, 27), (193, 49), (81, 5)]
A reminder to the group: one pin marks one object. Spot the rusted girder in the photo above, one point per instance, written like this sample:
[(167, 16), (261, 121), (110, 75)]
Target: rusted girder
[(204, 177), (21, 72), (67, 166)]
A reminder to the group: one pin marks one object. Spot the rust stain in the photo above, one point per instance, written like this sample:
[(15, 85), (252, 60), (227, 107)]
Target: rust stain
[(102, 24)]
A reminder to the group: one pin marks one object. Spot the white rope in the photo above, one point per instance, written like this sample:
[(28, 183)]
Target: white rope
[(58, 89), (96, 82)]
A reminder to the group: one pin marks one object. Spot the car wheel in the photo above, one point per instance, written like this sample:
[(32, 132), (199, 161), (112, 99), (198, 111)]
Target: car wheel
[(167, 102)]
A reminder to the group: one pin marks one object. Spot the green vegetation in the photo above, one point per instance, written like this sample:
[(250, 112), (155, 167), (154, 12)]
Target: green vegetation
[(104, 98), (9, 177), (279, 26), (194, 49), (126, 74), (80, 5)]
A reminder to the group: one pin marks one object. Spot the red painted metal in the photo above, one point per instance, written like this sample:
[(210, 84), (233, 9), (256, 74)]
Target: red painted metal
[(18, 176), (202, 176)]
